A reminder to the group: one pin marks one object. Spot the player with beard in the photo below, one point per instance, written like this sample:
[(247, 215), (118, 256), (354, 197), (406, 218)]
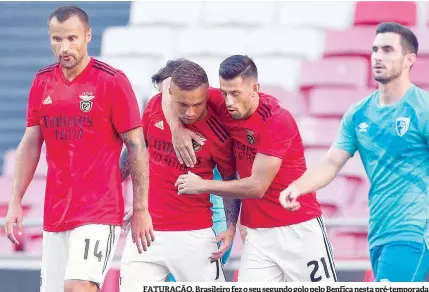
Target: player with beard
[(84, 110), (280, 245), (390, 129)]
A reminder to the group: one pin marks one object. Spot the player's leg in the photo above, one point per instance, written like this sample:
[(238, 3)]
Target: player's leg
[(91, 251), (188, 256), (148, 266), (54, 260), (403, 262), (306, 253), (257, 264)]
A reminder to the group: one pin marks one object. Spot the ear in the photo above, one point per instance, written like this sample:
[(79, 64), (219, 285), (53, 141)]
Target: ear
[(411, 59), (256, 87), (89, 35)]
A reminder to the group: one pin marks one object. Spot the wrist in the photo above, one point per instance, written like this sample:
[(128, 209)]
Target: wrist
[(140, 208)]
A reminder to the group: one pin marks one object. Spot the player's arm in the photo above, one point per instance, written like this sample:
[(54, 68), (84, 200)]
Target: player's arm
[(27, 158), (127, 122), (123, 164), (320, 175), (264, 170)]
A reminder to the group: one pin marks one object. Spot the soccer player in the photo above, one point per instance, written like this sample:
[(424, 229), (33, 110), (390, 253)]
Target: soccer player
[(280, 245), (185, 244), (219, 219), (84, 110), (389, 128)]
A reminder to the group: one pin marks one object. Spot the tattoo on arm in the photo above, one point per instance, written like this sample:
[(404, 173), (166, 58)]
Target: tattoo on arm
[(232, 209), (124, 166), (138, 166)]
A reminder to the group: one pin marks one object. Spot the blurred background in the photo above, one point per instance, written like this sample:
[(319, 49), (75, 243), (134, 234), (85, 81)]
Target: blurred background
[(312, 56)]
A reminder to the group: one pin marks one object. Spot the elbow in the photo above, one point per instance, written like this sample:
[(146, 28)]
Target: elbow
[(258, 191)]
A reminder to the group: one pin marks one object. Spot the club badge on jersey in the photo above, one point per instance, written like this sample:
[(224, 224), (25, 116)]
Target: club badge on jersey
[(250, 137), (86, 103), (402, 125)]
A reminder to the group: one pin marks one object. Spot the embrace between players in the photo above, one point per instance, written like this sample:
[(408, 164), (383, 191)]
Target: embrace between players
[(188, 130)]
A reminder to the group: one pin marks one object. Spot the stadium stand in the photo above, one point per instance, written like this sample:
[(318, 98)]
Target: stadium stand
[(315, 61)]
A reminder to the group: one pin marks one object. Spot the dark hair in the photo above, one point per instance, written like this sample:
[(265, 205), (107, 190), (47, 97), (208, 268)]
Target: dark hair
[(189, 76), (408, 38), (65, 12), (238, 65), (167, 71)]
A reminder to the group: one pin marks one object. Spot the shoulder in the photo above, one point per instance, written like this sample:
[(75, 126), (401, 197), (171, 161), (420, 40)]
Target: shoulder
[(109, 73), (154, 103), (361, 105), (419, 100), (47, 70), (271, 110)]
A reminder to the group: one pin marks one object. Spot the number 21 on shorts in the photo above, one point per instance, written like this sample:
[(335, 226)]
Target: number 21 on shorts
[(316, 275)]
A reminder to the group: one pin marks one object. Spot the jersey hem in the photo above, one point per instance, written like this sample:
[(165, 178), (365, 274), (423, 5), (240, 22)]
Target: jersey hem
[(280, 224), (74, 226), (183, 228)]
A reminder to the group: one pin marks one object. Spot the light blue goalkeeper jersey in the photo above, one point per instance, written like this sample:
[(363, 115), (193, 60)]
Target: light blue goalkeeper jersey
[(393, 144)]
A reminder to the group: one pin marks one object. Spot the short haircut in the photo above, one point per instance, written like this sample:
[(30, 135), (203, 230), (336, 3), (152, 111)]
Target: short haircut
[(238, 65), (167, 71), (189, 76), (408, 38), (65, 12)]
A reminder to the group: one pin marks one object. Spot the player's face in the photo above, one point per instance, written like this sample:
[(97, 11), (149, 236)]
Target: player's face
[(69, 40), (240, 95), (388, 59), (190, 105)]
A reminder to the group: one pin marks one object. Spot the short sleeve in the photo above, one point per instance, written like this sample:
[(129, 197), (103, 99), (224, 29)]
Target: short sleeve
[(148, 111), (125, 108), (277, 135), (346, 138), (223, 156), (33, 106), (217, 103)]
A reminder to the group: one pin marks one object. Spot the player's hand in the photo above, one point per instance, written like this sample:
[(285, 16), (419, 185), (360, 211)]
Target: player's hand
[(226, 238), (288, 198), (190, 184), (14, 215), (142, 230), (183, 145), (127, 219)]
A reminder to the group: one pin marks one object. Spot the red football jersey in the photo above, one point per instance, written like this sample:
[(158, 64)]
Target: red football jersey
[(170, 211), (271, 130), (80, 121)]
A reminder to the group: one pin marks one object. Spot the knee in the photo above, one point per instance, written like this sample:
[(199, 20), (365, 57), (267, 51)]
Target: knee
[(79, 286)]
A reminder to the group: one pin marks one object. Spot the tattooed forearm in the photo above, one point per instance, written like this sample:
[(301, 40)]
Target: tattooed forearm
[(138, 167), (124, 166), (232, 209)]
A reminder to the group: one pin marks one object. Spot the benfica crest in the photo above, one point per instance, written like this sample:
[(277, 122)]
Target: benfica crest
[(402, 125), (86, 103), (195, 145), (250, 137)]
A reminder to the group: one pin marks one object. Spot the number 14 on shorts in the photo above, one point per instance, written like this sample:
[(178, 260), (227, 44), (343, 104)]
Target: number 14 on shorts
[(96, 253)]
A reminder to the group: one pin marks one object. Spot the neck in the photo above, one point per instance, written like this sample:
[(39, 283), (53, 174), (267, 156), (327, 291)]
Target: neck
[(394, 90), (71, 74), (253, 108)]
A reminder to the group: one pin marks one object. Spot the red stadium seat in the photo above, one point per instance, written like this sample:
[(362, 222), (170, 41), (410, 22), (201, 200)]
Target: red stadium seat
[(326, 102), (351, 72), (373, 13), (292, 101), (318, 132), (355, 41)]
